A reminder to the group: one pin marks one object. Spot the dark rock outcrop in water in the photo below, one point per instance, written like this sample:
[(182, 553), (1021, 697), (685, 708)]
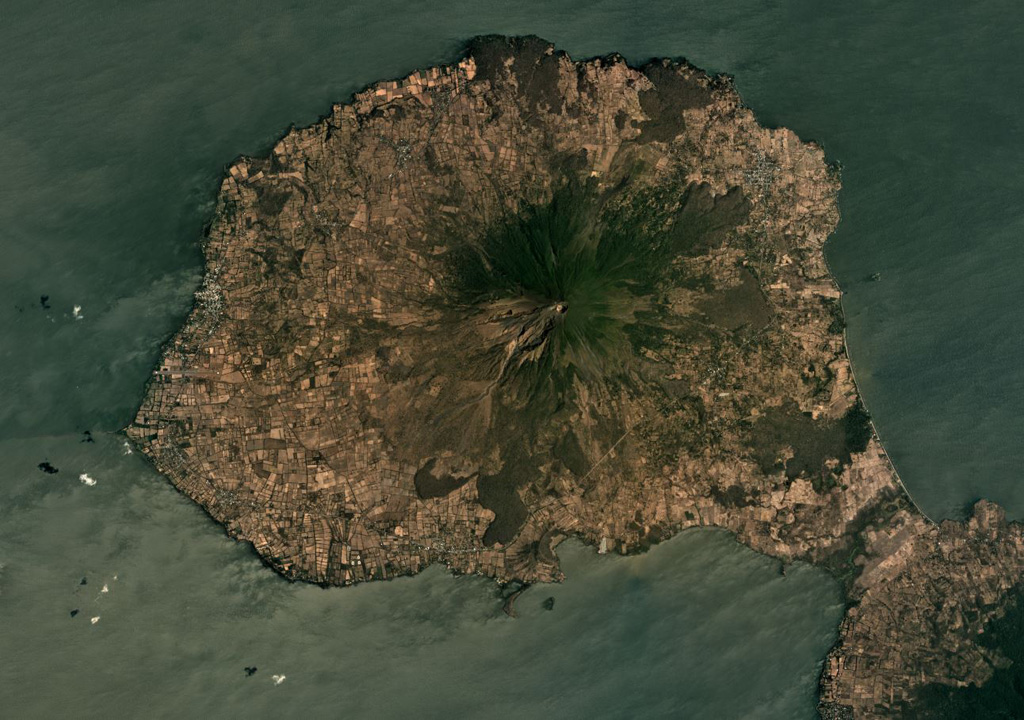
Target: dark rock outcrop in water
[(501, 302)]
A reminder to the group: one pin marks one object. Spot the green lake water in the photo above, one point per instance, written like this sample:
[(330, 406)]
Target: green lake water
[(116, 120)]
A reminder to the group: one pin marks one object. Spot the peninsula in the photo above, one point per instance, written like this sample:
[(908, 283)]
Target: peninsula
[(519, 298)]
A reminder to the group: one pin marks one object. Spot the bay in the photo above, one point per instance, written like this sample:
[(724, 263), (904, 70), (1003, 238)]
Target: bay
[(182, 610)]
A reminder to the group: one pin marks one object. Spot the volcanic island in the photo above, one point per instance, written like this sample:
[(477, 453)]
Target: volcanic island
[(520, 298)]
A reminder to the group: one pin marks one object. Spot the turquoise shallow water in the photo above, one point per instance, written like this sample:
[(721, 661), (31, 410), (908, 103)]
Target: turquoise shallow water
[(115, 124)]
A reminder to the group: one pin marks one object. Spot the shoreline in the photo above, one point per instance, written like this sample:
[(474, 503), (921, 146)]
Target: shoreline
[(856, 384)]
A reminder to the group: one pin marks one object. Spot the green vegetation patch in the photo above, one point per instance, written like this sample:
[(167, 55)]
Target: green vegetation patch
[(568, 294), (813, 441), (743, 306), (673, 92), (429, 485), (581, 273), (568, 451), (498, 493), (1000, 697)]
